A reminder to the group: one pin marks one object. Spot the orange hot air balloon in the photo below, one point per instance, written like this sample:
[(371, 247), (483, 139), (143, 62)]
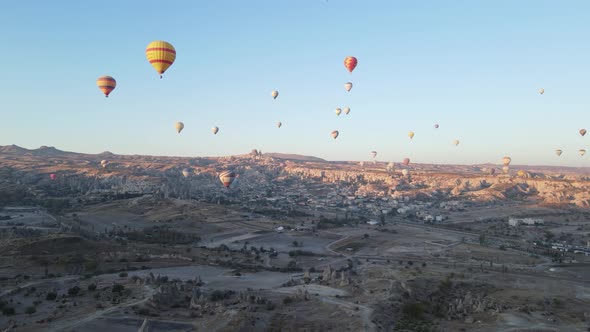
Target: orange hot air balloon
[(161, 55), (350, 63), (106, 84)]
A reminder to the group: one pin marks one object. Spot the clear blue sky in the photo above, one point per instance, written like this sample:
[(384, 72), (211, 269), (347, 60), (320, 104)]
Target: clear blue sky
[(474, 67)]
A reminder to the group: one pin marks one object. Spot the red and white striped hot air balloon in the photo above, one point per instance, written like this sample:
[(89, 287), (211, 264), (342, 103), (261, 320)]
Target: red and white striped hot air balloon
[(350, 63), (227, 177)]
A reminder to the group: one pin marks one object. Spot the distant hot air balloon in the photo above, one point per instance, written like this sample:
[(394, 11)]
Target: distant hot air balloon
[(227, 177), (436, 126), (456, 142), (279, 124), (362, 164), (373, 154), (506, 161), (161, 55), (405, 172), (348, 86), (582, 152), (350, 63), (104, 163), (583, 132), (186, 172), (411, 134), (406, 161), (558, 152), (541, 91), (275, 94), (214, 130), (335, 134), (179, 126), (346, 110), (390, 166), (338, 111), (505, 169), (521, 173), (492, 171), (106, 84), (52, 176)]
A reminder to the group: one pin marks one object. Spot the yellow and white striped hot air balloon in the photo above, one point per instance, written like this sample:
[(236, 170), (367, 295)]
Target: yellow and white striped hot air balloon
[(161, 55), (106, 84), (179, 126)]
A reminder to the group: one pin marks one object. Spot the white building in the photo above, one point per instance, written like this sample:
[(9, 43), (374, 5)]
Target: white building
[(526, 221)]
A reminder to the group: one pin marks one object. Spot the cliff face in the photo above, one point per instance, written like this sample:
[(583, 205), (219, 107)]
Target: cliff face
[(82, 174)]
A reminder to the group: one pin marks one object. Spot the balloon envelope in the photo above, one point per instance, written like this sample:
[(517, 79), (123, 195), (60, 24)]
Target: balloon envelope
[(214, 130), (436, 126), (52, 176), (541, 91), (346, 110), (106, 84), (179, 126), (506, 161), (279, 124), (338, 111), (582, 132), (350, 63), (558, 152), (456, 142), (348, 86), (373, 154), (161, 55), (186, 172), (406, 161), (227, 177), (275, 94), (411, 134), (582, 152), (335, 134)]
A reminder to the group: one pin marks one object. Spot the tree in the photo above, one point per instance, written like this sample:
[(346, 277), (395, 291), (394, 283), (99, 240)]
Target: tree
[(74, 291), (117, 288)]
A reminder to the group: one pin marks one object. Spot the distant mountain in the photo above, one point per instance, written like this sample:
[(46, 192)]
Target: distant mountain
[(14, 149), (288, 156)]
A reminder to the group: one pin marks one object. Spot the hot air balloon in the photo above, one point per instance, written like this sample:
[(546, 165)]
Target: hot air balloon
[(436, 126), (338, 111), (104, 163), (52, 176), (350, 63), (335, 134), (558, 152), (492, 171), (582, 152), (411, 134), (214, 130), (505, 169), (161, 55), (275, 94), (179, 126), (346, 110), (227, 177), (348, 86), (521, 173), (186, 172), (506, 161), (373, 154), (390, 166), (456, 142), (541, 91), (582, 132), (362, 163), (405, 172), (106, 84), (406, 161), (279, 124)]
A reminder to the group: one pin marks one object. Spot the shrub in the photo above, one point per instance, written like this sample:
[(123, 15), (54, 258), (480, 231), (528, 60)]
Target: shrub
[(117, 288), (30, 310), (288, 300), (8, 311), (51, 296), (413, 310), (74, 291), (123, 274), (92, 287)]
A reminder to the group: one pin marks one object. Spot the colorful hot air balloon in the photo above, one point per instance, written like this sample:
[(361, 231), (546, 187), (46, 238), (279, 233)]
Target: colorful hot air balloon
[(106, 84), (214, 130), (406, 161), (348, 86), (279, 124), (227, 177), (104, 163), (52, 176), (373, 154), (186, 172), (505, 169), (334, 134), (338, 111), (179, 126), (161, 55), (582, 152), (558, 152), (541, 91), (456, 142), (350, 63), (583, 132), (506, 161), (436, 126), (521, 173), (411, 134), (346, 110), (275, 94)]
